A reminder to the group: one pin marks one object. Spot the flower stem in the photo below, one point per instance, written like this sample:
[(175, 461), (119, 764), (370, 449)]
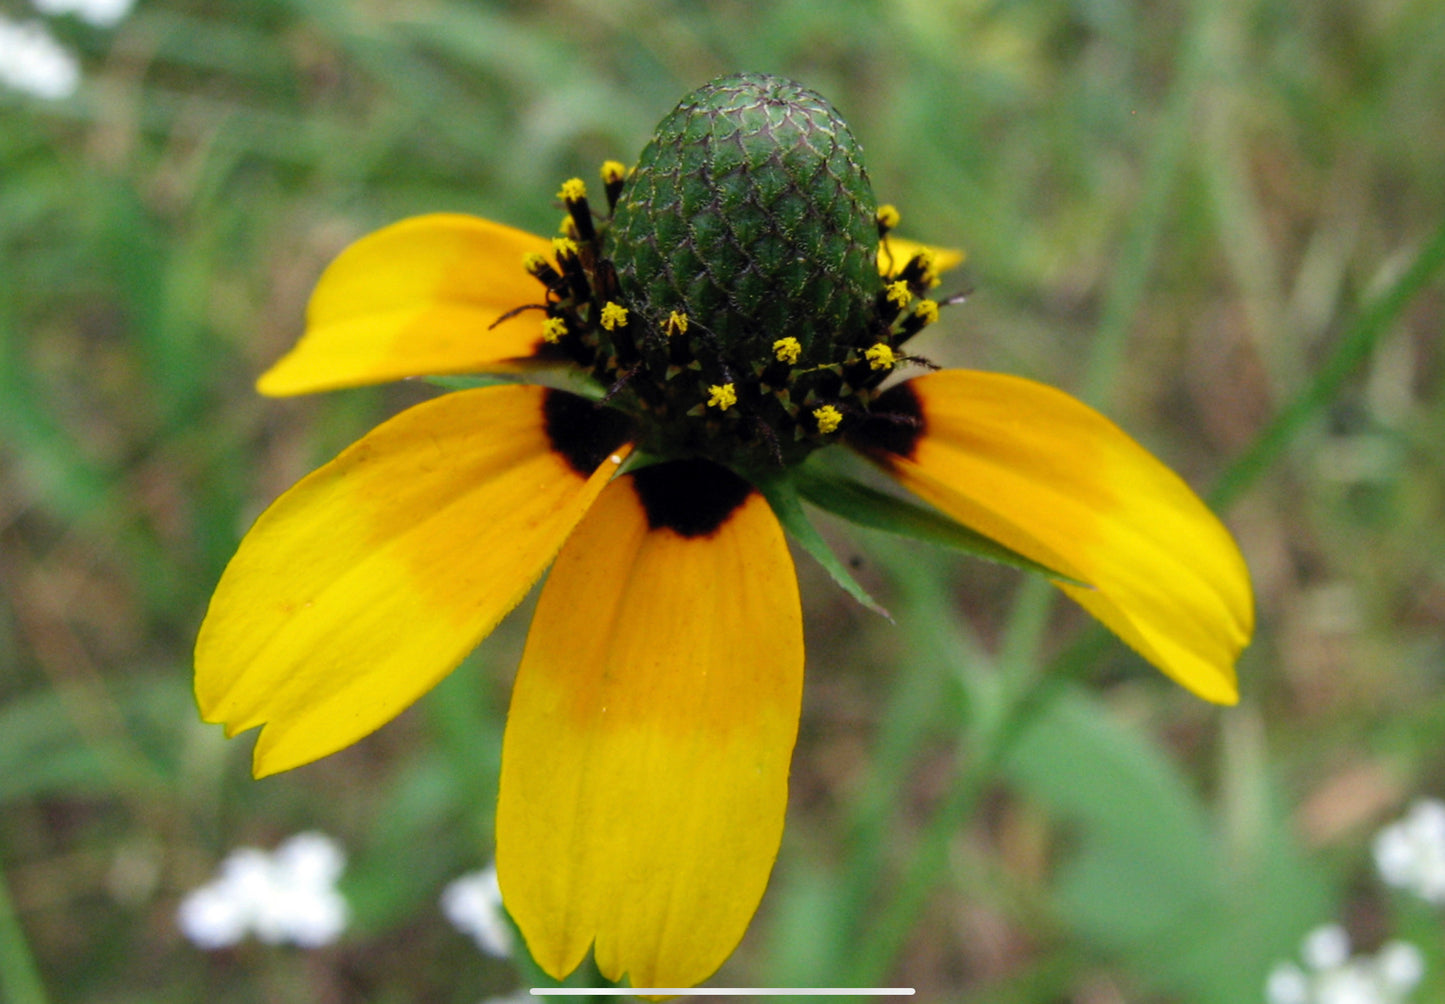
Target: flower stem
[(19, 978), (1026, 691), (1358, 341)]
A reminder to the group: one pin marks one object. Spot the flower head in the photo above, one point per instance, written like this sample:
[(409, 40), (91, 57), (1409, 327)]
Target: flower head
[(473, 903), (1410, 853), (1331, 975), (287, 897), (740, 306), (32, 61), (100, 13)]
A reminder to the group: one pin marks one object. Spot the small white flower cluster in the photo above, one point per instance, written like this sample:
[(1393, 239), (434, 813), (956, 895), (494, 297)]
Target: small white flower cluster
[(33, 62), (288, 897), (473, 903), (1331, 976), (1410, 853), (101, 13)]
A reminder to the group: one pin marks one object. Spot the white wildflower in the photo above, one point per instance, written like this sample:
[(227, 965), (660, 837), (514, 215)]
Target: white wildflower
[(101, 13), (1331, 976), (1287, 984), (473, 903), (288, 897), (33, 62), (1410, 853), (1326, 947)]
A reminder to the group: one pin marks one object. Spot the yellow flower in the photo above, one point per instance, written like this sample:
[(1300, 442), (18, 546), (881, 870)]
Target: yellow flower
[(722, 396), (828, 418), (880, 357), (647, 747), (787, 350), (613, 315)]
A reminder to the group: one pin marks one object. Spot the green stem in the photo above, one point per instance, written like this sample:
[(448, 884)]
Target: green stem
[(1138, 253), (1026, 695), (1354, 347), (918, 711), (895, 921), (19, 978)]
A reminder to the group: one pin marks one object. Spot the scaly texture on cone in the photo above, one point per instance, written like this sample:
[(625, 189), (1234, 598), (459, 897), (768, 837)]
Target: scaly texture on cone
[(750, 212)]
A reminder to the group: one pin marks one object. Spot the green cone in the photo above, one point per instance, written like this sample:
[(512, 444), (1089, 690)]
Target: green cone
[(750, 211)]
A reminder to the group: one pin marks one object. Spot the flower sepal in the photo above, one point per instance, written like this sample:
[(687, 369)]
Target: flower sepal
[(557, 378), (860, 503), (781, 491), (469, 381)]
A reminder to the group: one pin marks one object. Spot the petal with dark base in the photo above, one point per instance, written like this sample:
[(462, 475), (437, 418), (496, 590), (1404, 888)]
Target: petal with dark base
[(645, 764), (1051, 478), (367, 582)]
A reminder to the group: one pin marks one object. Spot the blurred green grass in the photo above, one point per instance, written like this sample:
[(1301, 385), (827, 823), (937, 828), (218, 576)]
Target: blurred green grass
[(1219, 222)]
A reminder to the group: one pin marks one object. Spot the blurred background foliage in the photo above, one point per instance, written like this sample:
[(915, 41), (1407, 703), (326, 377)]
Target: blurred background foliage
[(1221, 222)]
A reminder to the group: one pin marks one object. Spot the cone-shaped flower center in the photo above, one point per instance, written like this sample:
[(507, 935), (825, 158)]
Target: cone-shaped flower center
[(733, 300)]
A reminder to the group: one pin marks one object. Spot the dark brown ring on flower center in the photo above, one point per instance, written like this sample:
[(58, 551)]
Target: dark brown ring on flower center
[(693, 498), (581, 432), (894, 425)]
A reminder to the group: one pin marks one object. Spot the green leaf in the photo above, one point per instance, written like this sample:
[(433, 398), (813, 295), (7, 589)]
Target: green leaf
[(858, 503), (1146, 875), (782, 494)]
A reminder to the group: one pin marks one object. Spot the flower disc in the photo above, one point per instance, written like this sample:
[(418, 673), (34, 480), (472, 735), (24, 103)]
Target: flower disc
[(751, 213)]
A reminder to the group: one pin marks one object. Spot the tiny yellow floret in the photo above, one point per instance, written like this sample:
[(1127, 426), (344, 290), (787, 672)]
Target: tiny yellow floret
[(880, 357), (553, 328), (787, 350), (613, 171), (927, 267), (533, 262), (899, 294), (614, 315), (676, 323), (828, 418), (888, 217), (926, 311), (722, 396), (573, 190), (564, 247)]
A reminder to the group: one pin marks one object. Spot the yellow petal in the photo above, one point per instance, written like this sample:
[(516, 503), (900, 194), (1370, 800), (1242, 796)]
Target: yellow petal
[(897, 251), (369, 580), (416, 299), (1046, 475), (645, 764)]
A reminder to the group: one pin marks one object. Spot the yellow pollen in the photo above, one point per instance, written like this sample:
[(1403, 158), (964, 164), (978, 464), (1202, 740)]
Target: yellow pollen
[(614, 316), (898, 294), (925, 263), (568, 227), (880, 357), (926, 311), (676, 323), (553, 328), (888, 216), (533, 262), (787, 350), (573, 190), (613, 171), (828, 418), (722, 396), (564, 246)]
